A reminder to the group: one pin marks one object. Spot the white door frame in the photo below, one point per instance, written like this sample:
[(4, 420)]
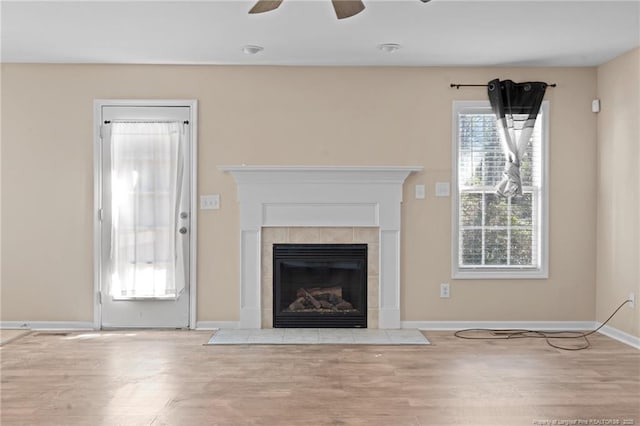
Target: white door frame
[(97, 196)]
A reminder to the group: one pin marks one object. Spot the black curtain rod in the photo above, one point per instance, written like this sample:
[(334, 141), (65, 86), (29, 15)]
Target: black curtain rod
[(109, 122), (458, 86)]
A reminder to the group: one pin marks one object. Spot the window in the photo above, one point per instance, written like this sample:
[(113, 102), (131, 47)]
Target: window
[(494, 237)]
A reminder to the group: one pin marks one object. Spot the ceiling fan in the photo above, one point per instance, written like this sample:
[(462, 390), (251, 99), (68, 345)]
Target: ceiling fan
[(343, 8)]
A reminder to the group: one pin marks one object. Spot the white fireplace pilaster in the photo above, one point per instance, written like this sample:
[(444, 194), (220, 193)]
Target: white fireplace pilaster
[(320, 197)]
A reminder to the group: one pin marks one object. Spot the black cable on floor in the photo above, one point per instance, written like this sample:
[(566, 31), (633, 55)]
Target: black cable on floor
[(499, 334)]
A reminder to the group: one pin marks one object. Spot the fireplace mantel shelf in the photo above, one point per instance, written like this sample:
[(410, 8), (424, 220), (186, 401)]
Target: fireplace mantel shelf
[(320, 196), (318, 174), (243, 167)]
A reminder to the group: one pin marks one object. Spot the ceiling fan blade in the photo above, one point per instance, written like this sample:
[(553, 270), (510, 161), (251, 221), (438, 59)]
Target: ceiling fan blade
[(265, 6), (347, 8)]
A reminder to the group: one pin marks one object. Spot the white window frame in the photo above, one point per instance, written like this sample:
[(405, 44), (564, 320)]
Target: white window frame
[(497, 272)]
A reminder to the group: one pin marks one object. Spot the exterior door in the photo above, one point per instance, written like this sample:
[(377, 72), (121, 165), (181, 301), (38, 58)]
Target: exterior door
[(145, 216)]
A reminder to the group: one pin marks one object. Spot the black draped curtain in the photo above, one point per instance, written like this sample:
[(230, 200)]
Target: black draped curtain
[(516, 106)]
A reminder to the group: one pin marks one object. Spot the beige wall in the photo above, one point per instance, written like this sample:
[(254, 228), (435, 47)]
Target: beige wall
[(290, 116), (618, 237)]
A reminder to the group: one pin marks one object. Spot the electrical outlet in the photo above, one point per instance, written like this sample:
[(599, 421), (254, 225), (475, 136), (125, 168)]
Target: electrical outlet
[(632, 297), (444, 291)]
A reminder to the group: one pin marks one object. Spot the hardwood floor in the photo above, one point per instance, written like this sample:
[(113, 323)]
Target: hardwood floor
[(7, 335), (169, 378)]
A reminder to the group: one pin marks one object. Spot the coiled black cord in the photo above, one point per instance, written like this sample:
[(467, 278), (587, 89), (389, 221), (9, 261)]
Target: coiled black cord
[(499, 334)]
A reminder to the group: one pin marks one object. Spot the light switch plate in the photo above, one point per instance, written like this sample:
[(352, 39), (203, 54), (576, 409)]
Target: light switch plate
[(420, 192), (442, 189), (210, 202)]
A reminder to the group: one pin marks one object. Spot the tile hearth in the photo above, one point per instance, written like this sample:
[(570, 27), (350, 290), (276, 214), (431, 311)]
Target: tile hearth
[(317, 336)]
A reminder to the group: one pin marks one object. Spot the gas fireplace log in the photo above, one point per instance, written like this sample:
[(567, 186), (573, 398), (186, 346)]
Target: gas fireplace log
[(320, 291), (311, 299), (326, 305), (344, 306), (297, 305)]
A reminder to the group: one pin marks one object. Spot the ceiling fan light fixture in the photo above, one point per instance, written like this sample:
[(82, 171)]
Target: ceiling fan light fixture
[(389, 47), (251, 49)]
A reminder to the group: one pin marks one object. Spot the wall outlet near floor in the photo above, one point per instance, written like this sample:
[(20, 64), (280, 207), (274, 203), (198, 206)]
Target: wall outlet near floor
[(444, 291), (632, 297)]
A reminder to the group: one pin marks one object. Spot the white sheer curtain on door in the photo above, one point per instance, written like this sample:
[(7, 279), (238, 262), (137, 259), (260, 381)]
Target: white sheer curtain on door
[(146, 182)]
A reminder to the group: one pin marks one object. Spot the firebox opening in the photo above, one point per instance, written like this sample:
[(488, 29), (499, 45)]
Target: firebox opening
[(320, 285)]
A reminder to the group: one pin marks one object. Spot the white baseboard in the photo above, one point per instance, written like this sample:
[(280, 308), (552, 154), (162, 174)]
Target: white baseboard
[(620, 336), (608, 331), (82, 325), (527, 325), (215, 325), (451, 325), (48, 325)]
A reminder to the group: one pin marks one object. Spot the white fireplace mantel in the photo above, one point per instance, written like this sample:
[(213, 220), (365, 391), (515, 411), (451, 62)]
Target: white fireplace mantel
[(317, 197)]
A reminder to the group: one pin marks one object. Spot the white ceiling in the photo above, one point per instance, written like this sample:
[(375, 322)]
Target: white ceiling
[(306, 32)]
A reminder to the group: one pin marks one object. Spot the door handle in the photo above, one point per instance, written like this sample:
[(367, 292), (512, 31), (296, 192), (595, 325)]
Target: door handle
[(183, 230)]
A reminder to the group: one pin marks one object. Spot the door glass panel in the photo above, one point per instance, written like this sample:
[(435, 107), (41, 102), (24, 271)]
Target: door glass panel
[(147, 173)]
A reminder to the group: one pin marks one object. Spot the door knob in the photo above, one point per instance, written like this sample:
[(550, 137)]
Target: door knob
[(183, 230)]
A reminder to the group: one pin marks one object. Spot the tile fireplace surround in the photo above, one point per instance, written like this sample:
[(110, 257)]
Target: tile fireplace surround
[(272, 235), (305, 202)]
